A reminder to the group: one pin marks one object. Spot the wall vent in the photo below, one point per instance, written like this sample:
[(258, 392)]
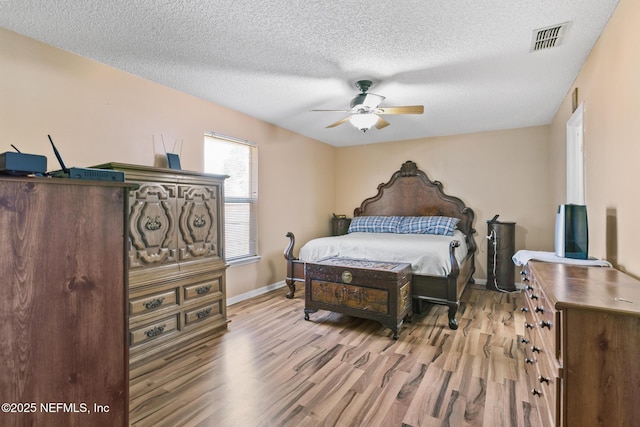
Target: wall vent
[(546, 38)]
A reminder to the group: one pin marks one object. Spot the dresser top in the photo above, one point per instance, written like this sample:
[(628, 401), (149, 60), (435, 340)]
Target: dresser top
[(595, 288), (128, 168)]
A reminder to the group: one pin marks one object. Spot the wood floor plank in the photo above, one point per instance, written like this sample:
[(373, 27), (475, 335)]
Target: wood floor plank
[(273, 368)]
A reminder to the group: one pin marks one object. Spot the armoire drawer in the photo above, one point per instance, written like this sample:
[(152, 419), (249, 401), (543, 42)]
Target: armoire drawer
[(159, 328), (203, 289), (153, 301), (205, 313)]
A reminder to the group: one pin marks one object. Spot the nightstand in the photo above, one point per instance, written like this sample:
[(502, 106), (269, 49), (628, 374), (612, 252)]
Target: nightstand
[(339, 225)]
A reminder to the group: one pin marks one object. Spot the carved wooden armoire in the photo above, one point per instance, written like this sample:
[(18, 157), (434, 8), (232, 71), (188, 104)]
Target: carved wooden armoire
[(177, 293), (63, 350)]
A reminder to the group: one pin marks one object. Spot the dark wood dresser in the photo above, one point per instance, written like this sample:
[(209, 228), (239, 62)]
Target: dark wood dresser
[(582, 344), (63, 349), (369, 289)]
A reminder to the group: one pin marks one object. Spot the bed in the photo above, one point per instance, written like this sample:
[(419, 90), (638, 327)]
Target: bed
[(442, 265)]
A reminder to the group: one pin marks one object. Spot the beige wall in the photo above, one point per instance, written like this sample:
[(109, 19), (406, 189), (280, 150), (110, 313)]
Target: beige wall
[(97, 114), (503, 172), (609, 88)]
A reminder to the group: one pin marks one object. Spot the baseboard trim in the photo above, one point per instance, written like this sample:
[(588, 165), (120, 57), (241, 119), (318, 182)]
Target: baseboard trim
[(255, 292)]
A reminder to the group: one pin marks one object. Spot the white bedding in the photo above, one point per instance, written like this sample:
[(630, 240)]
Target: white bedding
[(427, 253)]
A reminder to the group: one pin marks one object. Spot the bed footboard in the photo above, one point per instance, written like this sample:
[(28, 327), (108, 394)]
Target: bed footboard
[(443, 290), (295, 267)]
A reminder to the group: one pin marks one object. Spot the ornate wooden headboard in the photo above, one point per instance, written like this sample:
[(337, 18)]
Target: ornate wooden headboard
[(410, 192)]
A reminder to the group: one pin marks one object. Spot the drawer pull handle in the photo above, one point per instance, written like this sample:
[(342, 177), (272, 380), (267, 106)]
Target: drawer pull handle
[(154, 332), (524, 341), (545, 324), (539, 309), (199, 221), (536, 392), (153, 224), (524, 309), (154, 303), (529, 361), (528, 325), (544, 379), (535, 349), (203, 289), (203, 313)]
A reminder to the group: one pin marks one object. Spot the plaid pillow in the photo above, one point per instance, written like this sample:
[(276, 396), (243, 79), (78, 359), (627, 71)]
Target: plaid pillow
[(374, 224), (442, 225)]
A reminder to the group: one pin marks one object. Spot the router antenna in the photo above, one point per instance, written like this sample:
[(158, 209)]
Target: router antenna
[(58, 156), (163, 146)]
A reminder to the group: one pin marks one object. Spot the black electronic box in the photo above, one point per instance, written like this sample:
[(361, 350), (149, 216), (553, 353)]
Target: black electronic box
[(22, 164)]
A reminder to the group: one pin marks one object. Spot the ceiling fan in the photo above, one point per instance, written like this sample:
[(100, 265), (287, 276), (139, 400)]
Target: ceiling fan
[(365, 111)]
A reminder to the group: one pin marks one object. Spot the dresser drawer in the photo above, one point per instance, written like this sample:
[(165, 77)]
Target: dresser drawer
[(544, 381), (537, 395), (206, 288), (202, 314), (543, 317), (155, 330), (152, 302), (541, 347)]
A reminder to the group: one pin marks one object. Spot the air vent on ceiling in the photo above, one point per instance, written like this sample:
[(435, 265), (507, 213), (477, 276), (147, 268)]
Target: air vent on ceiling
[(546, 38)]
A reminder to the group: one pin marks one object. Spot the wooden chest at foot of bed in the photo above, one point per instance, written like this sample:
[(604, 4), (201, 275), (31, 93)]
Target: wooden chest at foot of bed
[(368, 289)]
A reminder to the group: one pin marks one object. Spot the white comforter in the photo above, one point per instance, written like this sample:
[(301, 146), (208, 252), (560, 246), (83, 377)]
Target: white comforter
[(427, 253)]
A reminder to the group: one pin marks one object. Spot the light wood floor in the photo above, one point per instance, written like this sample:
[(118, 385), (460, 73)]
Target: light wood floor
[(273, 368)]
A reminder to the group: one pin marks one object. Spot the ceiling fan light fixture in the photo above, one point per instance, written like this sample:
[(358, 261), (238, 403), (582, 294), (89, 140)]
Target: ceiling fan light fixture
[(363, 121), (365, 110)]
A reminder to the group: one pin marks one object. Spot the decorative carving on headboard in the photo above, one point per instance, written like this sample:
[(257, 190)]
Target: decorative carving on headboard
[(409, 168), (410, 192)]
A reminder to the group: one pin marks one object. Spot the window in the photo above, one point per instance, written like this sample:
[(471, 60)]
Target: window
[(238, 159), (575, 157)]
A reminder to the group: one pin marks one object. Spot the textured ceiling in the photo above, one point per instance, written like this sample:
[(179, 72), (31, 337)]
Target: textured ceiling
[(468, 62)]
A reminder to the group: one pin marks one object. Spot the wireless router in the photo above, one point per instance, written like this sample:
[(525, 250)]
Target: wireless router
[(84, 173)]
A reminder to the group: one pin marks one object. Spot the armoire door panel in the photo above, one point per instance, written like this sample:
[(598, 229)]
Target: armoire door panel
[(198, 222), (152, 223)]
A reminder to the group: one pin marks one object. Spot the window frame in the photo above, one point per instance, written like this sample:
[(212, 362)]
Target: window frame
[(252, 200)]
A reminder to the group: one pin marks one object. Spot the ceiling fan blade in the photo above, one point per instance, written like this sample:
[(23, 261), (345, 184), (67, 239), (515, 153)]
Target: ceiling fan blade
[(409, 109), (336, 111), (381, 123), (339, 122)]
